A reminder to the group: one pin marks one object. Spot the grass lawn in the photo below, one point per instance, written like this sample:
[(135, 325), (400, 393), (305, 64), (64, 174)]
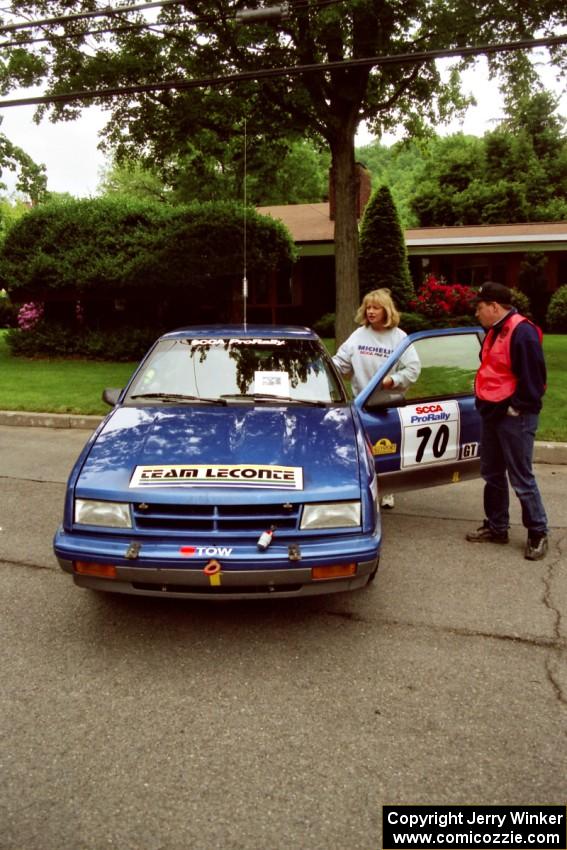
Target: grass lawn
[(57, 386), (75, 386), (553, 418)]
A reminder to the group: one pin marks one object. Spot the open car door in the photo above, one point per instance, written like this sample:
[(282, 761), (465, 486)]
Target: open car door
[(430, 433)]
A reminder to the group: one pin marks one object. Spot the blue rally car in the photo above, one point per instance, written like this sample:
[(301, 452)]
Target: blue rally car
[(235, 465)]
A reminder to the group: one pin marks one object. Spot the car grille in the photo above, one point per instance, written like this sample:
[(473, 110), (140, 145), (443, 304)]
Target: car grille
[(230, 519)]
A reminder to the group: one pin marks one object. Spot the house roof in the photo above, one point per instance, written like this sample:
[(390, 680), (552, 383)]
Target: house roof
[(310, 225), (305, 222), (488, 234)]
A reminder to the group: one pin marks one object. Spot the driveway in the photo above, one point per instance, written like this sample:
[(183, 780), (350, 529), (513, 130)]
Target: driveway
[(143, 724)]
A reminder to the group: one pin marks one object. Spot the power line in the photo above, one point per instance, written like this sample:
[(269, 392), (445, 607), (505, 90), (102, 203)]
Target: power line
[(108, 11), (101, 31), (20, 42), (294, 70), (97, 13)]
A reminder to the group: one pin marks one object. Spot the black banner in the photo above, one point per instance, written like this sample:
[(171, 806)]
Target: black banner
[(480, 827)]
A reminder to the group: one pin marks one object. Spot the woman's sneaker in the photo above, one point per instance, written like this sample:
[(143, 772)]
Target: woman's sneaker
[(387, 501), (536, 547), (486, 534)]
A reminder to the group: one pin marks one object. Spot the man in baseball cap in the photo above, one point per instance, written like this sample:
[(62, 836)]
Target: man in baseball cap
[(509, 387)]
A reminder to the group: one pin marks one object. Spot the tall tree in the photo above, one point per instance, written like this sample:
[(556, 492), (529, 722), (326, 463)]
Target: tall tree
[(133, 180), (530, 148), (31, 178), (383, 259), (10, 212), (298, 175), (399, 166), (208, 40), (517, 172)]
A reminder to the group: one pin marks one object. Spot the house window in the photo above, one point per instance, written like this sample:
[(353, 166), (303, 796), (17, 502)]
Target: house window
[(283, 289), (260, 291), (561, 279), (472, 275), (498, 273)]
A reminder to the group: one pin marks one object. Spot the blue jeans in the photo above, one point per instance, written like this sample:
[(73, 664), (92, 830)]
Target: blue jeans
[(506, 446)]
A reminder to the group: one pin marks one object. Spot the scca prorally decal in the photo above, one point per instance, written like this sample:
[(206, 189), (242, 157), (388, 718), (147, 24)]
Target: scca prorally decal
[(219, 475), (195, 343), (429, 413), (256, 341), (430, 433)]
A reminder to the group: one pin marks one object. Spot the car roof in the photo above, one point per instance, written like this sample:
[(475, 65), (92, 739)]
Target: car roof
[(243, 331)]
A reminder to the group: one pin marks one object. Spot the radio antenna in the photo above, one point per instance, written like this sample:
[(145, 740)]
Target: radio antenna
[(244, 278)]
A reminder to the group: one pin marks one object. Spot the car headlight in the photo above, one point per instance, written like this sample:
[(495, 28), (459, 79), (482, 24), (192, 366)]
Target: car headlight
[(331, 515), (111, 514)]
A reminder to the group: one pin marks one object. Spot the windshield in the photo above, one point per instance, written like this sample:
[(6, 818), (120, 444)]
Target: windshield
[(198, 369)]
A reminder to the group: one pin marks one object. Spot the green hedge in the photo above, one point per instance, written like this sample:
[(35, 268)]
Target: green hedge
[(110, 246), (112, 273), (51, 340), (556, 318), (325, 326)]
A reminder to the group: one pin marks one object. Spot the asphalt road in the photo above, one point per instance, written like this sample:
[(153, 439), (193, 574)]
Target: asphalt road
[(141, 724)]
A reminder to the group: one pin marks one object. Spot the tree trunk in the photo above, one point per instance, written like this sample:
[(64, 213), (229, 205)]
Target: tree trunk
[(346, 233)]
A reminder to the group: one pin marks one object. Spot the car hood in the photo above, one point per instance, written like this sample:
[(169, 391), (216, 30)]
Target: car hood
[(319, 441)]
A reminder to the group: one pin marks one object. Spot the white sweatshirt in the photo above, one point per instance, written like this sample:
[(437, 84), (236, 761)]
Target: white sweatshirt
[(362, 354)]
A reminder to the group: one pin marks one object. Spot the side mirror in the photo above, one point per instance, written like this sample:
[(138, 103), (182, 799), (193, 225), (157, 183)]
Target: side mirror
[(381, 398), (110, 395)]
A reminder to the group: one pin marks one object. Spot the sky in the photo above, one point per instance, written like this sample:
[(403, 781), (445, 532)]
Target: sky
[(74, 163)]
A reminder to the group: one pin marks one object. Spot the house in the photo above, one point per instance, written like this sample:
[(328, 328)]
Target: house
[(468, 255)]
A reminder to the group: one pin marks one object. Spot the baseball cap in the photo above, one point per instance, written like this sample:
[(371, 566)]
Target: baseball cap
[(491, 291)]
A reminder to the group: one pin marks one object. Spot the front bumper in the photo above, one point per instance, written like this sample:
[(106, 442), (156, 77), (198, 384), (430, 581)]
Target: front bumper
[(159, 569)]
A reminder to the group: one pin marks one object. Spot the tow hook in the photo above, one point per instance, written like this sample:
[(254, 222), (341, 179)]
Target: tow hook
[(213, 572), (133, 551)]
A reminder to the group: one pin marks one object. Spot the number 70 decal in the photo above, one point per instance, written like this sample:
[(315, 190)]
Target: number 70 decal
[(430, 433)]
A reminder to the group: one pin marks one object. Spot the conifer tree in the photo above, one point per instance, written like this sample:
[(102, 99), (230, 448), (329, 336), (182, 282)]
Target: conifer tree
[(383, 259)]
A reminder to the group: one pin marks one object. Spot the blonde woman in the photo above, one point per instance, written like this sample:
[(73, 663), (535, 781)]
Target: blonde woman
[(368, 348)]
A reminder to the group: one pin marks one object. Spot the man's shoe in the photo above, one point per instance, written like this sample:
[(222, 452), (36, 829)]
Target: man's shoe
[(486, 534), (387, 501), (536, 547)]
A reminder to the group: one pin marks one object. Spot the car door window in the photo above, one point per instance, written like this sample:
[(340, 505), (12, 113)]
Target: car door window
[(448, 367)]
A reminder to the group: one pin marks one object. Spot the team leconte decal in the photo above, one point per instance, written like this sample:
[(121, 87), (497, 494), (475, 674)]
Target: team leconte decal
[(384, 446), (219, 475), (430, 433)]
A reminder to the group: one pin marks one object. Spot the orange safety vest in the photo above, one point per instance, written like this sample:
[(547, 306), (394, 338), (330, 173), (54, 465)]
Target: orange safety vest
[(495, 380)]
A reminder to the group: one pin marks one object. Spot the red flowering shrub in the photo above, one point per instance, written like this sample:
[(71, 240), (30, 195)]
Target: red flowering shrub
[(441, 300)]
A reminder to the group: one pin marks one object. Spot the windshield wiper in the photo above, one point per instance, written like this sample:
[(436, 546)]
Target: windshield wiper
[(284, 399), (173, 397)]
